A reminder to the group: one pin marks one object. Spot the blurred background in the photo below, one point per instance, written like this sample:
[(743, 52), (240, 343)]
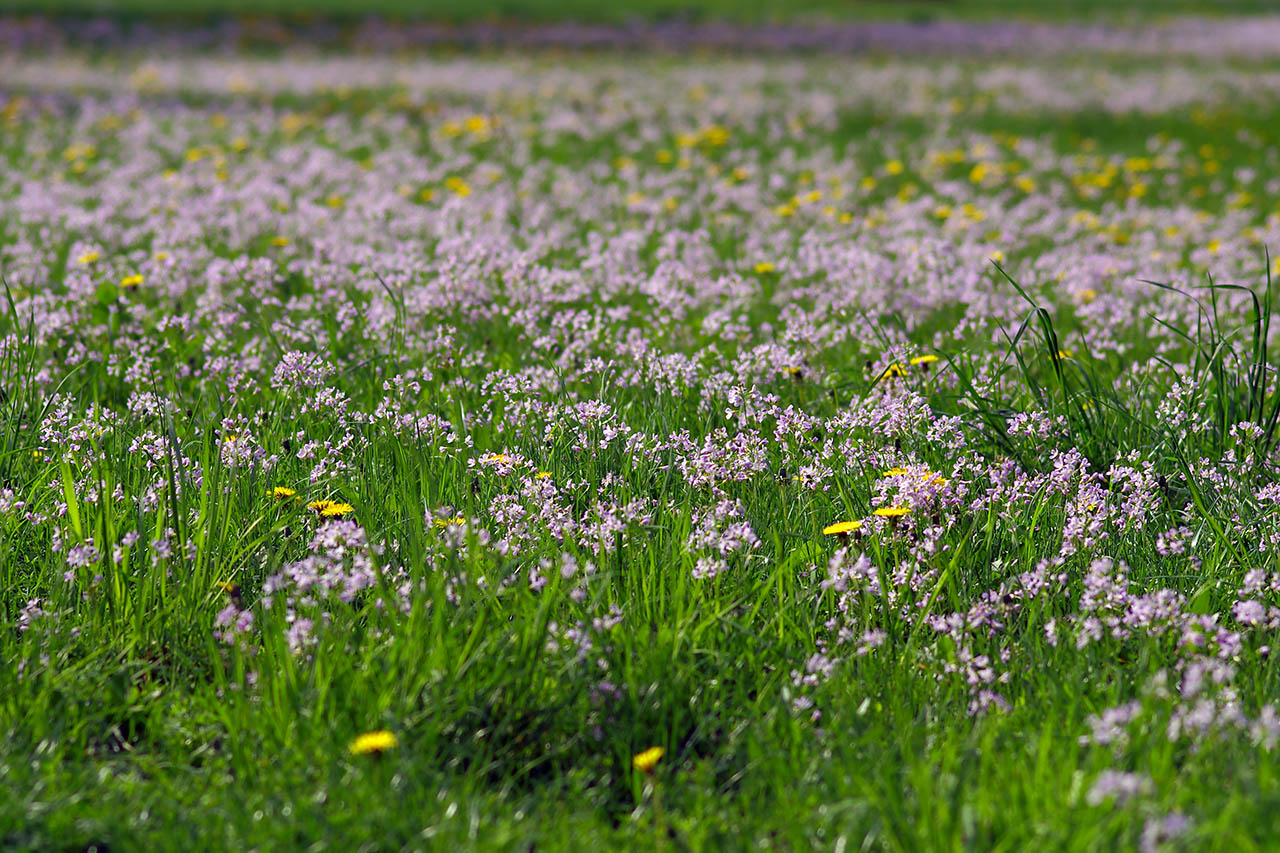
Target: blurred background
[(631, 11)]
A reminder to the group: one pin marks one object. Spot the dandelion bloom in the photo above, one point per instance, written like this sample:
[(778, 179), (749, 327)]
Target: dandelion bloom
[(764, 267), (645, 761), (892, 511), (131, 281), (923, 359), (456, 521), (330, 509), (282, 492), (542, 475), (373, 743), (841, 527), (88, 257), (1065, 353), (895, 472), (895, 369)]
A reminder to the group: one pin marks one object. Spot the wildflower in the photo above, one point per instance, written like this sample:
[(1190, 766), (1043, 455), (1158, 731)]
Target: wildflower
[(840, 528), (895, 369), (282, 492), (923, 359), (764, 267), (330, 509), (460, 187), (542, 475), (279, 241), (129, 282), (645, 761), (231, 588), (1065, 353), (497, 459), (373, 743), (895, 472), (88, 257), (892, 511), (456, 521)]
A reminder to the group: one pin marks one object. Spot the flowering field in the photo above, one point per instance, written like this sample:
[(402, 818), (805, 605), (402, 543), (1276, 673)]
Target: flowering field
[(424, 451)]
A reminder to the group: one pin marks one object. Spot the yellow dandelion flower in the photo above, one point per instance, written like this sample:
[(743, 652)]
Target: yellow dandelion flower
[(129, 282), (840, 528), (895, 472), (373, 743), (497, 459), (892, 511), (895, 369), (1065, 353), (231, 588), (330, 509), (456, 521), (764, 267), (88, 257), (282, 492), (542, 475), (645, 761), (459, 186), (279, 241), (923, 359)]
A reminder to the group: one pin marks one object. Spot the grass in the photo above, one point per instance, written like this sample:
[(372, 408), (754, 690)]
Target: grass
[(750, 11), (470, 262)]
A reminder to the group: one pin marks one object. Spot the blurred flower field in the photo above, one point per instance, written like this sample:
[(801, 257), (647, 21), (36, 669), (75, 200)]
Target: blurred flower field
[(412, 449)]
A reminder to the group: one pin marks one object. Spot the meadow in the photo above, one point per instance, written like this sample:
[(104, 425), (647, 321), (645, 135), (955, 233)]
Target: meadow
[(416, 450)]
